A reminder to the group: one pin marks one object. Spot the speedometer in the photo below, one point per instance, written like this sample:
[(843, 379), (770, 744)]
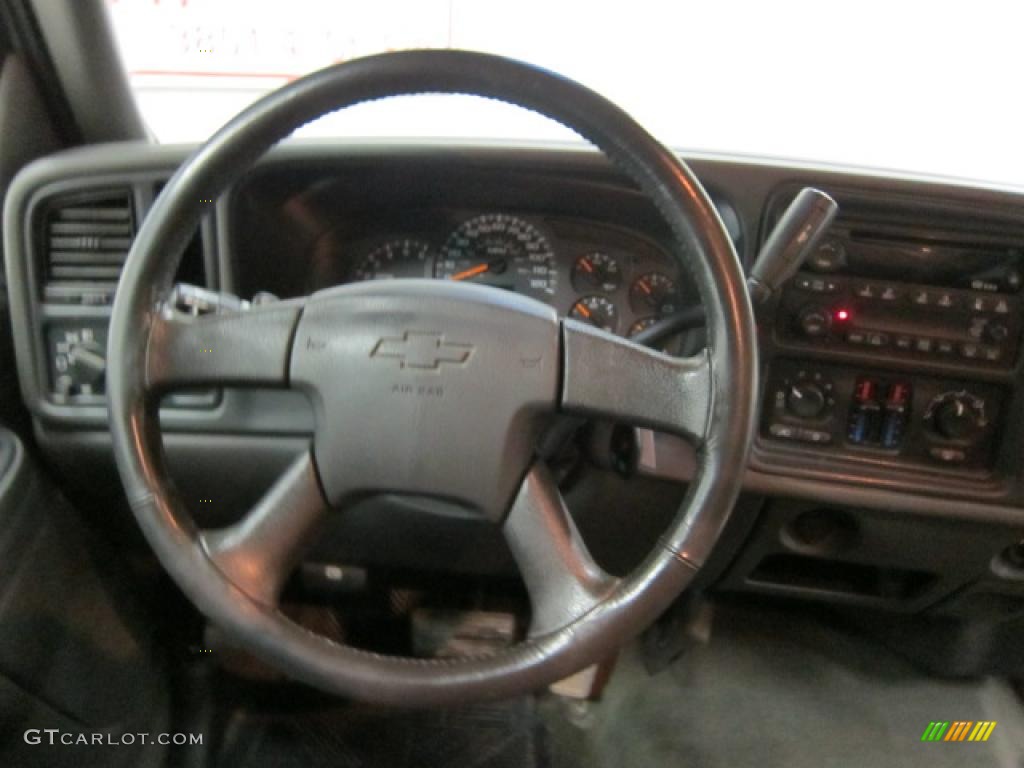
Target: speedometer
[(502, 251)]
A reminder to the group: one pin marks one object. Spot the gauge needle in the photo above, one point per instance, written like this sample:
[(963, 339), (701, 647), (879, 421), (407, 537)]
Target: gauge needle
[(644, 287), (582, 309), (465, 274), (587, 265)]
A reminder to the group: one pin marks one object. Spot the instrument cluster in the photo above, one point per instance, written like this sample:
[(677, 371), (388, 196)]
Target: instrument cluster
[(613, 279)]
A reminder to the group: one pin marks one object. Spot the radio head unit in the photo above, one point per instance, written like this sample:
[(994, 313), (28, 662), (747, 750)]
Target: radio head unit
[(907, 319), (907, 298)]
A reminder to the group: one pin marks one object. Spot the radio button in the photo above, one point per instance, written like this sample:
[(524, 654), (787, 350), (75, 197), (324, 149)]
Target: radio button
[(904, 343), (992, 354), (889, 293), (946, 300), (878, 340), (979, 304), (969, 351), (865, 290), (945, 347), (817, 285), (856, 337), (815, 322), (1001, 307), (920, 296), (923, 345)]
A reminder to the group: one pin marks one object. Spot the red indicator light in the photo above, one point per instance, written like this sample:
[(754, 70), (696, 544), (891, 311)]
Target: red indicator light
[(842, 314)]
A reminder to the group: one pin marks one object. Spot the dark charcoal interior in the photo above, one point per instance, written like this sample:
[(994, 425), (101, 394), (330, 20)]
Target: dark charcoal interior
[(870, 578)]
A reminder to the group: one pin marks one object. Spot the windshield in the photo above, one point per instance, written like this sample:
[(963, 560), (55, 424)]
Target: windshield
[(920, 87)]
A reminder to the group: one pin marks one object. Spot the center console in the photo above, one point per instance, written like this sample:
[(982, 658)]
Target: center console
[(891, 365), (896, 344)]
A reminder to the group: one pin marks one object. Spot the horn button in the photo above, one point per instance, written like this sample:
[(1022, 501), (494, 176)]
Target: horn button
[(426, 387)]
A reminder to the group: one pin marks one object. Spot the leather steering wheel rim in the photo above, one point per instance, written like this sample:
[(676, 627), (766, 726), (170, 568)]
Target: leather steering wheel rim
[(593, 615)]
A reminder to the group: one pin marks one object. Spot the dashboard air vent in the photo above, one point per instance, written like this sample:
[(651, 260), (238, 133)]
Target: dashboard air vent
[(86, 238)]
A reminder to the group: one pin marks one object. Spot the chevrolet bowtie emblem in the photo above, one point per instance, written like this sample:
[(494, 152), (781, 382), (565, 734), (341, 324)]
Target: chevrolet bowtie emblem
[(422, 350)]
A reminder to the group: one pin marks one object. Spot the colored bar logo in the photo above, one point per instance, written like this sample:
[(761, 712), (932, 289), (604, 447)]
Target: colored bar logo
[(959, 730)]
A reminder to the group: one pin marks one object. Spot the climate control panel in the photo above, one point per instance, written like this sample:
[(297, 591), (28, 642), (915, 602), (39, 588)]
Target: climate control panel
[(876, 415)]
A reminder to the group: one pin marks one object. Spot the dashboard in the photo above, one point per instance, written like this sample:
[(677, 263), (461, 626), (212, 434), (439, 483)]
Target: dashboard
[(891, 365)]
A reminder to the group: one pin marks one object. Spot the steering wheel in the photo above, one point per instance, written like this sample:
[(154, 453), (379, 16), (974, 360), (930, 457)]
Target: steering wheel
[(432, 388)]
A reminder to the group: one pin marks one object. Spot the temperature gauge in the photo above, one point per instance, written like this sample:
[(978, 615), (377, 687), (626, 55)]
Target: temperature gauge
[(599, 311)]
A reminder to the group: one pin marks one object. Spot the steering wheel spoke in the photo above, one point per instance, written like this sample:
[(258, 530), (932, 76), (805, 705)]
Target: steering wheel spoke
[(247, 347), (561, 577), (608, 376), (257, 553)]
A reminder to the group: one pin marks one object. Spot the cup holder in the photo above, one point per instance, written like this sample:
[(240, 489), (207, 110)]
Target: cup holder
[(1009, 564), (822, 532)]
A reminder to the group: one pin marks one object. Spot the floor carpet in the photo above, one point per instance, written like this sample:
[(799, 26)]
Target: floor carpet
[(781, 688)]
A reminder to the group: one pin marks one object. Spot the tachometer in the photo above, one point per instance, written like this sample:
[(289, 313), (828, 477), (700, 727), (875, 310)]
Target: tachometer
[(397, 258), (502, 251)]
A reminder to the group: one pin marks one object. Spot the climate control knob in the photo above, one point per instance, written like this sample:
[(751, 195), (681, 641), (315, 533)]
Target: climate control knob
[(958, 415), (814, 322), (805, 400)]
